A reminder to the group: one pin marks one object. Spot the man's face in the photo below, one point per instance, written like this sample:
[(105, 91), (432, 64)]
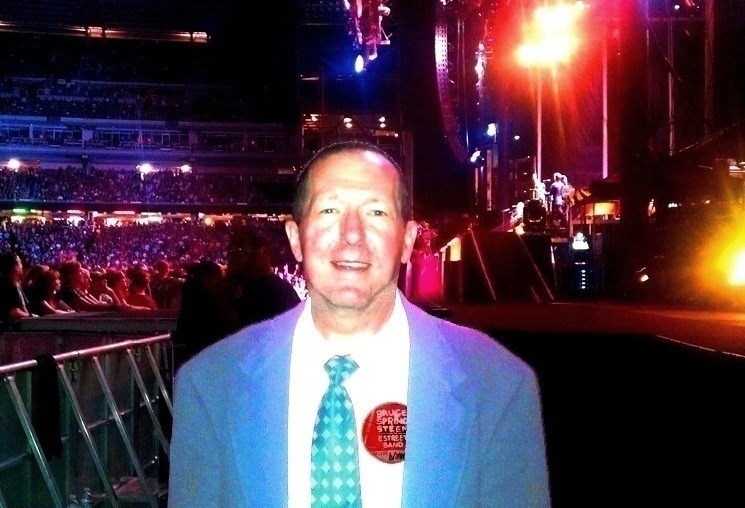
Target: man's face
[(352, 238)]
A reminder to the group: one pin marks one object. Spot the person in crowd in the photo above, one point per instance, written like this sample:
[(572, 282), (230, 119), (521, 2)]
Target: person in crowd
[(139, 285), (42, 294), (204, 313), (72, 290), (31, 275), (253, 289), (100, 290), (13, 300), (117, 280), (280, 381), (164, 287)]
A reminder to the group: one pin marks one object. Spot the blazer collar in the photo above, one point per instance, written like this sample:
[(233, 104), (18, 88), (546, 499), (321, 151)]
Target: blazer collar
[(258, 421), (440, 414)]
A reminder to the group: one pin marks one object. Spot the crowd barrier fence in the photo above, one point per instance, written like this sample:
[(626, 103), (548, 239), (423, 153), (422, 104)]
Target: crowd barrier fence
[(96, 418)]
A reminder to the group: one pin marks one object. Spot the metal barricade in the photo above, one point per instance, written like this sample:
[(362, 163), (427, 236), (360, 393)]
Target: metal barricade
[(114, 426)]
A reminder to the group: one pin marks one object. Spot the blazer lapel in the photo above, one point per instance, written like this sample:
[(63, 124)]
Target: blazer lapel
[(258, 421), (439, 417)]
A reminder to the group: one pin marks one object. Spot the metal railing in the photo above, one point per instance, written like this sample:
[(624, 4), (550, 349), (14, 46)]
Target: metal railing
[(114, 417)]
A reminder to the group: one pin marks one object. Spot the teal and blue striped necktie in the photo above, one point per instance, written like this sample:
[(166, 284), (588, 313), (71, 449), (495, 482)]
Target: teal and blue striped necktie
[(335, 465)]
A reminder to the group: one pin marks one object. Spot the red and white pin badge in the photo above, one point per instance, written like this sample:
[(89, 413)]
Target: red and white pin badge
[(384, 432)]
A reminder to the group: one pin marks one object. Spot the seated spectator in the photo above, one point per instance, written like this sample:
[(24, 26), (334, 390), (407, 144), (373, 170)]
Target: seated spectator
[(13, 300), (139, 284), (85, 280), (71, 291), (100, 290), (32, 274), (117, 280), (42, 294)]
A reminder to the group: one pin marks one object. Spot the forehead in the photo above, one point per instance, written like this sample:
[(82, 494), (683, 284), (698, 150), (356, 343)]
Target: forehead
[(361, 170)]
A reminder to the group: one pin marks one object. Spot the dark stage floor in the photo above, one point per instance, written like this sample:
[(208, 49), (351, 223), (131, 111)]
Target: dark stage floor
[(643, 405), (721, 331)]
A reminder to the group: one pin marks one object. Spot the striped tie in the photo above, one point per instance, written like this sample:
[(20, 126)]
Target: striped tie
[(335, 466)]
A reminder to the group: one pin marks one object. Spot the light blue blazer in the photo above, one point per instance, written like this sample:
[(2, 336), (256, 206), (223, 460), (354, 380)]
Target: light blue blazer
[(474, 436)]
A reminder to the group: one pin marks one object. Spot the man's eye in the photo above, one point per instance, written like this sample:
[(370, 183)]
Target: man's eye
[(328, 210), (378, 213)]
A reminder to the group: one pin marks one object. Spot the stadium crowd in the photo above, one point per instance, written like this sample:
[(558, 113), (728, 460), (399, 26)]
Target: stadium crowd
[(76, 184), (57, 266)]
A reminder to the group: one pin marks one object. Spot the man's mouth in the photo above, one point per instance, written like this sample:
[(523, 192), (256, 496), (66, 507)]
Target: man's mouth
[(350, 265)]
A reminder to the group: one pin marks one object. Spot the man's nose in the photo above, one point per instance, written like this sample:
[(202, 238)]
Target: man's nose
[(352, 229)]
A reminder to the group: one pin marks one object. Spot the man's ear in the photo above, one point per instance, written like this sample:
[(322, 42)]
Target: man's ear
[(410, 234), (293, 235)]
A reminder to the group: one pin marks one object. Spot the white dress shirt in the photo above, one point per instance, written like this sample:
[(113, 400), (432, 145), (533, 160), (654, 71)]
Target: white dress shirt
[(382, 377)]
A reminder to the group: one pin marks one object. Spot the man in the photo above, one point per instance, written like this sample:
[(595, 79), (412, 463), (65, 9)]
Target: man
[(554, 191), (163, 285), (73, 292), (203, 316), (252, 289), (444, 415), (13, 300)]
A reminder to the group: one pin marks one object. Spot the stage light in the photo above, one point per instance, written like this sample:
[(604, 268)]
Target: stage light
[(359, 64), (642, 275), (737, 270), (579, 242), (14, 164), (145, 168), (550, 39)]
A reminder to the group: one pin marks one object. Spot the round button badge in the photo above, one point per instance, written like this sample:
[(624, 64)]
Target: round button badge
[(384, 432)]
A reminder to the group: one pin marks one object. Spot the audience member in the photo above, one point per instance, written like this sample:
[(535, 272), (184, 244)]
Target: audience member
[(31, 275), (100, 290), (204, 313), (139, 284), (42, 295), (117, 280), (256, 292), (72, 293), (164, 287), (13, 300)]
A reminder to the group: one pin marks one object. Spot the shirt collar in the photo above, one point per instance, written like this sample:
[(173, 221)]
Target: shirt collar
[(386, 339)]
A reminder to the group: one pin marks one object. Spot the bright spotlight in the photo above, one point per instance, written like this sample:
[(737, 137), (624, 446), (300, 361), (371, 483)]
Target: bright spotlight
[(359, 64), (737, 271), (145, 169), (551, 37)]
